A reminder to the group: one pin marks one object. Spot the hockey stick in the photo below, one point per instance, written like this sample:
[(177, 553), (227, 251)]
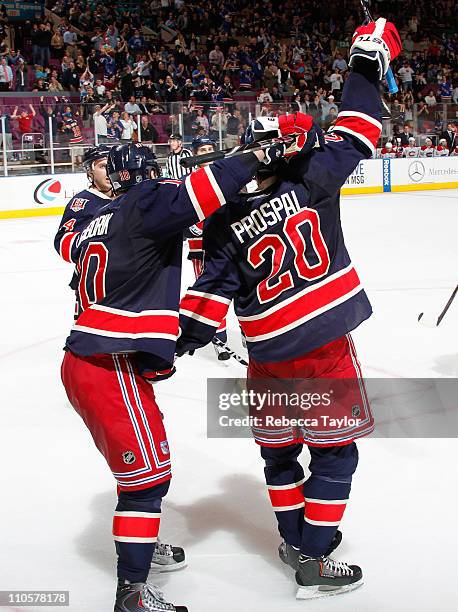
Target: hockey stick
[(234, 355), (430, 321), (390, 80), (195, 160)]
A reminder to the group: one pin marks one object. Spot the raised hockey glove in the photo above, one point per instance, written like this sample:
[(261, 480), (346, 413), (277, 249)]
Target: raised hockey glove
[(374, 46), (308, 134)]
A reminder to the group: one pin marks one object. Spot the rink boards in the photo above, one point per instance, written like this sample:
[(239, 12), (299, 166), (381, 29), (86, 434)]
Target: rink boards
[(38, 195)]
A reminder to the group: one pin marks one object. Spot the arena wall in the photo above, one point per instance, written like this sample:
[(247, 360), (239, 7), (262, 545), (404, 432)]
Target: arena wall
[(37, 195)]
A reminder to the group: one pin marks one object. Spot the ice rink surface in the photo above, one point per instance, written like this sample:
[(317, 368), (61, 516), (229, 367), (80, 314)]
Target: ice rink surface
[(58, 495)]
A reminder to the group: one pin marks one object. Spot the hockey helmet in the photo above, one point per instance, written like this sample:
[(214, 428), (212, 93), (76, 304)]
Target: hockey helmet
[(262, 128), (127, 166), (93, 154), (202, 141)]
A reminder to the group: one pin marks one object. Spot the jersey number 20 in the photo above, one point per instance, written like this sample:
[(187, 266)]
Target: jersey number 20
[(277, 281)]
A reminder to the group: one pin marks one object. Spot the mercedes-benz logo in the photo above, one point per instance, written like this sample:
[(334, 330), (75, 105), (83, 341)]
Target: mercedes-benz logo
[(416, 171)]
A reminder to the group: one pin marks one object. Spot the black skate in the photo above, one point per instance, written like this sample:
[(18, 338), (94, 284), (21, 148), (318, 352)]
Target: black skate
[(290, 555), (167, 558), (142, 597), (323, 576)]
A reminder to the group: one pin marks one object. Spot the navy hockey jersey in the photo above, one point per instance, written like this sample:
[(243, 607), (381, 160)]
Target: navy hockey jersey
[(280, 254), (128, 261), (79, 211)]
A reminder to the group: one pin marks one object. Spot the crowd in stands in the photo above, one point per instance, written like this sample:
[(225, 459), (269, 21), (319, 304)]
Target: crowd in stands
[(122, 59)]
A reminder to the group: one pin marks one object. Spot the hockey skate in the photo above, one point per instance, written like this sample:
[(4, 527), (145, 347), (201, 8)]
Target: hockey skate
[(167, 558), (323, 576), (142, 597), (290, 555)]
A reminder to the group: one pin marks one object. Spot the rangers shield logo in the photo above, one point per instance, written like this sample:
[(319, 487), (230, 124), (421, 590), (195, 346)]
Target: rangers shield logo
[(78, 204)]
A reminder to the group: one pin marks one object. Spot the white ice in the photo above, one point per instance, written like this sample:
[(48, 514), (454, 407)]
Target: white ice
[(58, 495)]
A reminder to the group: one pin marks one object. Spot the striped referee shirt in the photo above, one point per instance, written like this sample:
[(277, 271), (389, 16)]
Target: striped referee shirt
[(174, 169)]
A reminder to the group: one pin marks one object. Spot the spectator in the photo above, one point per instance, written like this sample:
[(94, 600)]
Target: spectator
[(115, 127), (336, 82), (21, 75), (24, 119), (136, 42), (445, 90), (406, 75), (129, 127), (57, 44), (339, 63), (147, 132), (216, 56), (406, 135), (232, 128), (48, 112), (451, 137), (43, 42), (6, 76), (132, 107), (100, 122), (430, 99)]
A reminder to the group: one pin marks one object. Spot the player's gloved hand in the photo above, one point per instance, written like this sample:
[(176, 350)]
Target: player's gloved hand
[(157, 376), (273, 153), (374, 46), (309, 135)]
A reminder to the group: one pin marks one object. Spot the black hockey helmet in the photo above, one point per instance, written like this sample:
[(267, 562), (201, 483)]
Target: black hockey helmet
[(151, 162), (201, 141), (260, 129), (127, 166), (93, 154)]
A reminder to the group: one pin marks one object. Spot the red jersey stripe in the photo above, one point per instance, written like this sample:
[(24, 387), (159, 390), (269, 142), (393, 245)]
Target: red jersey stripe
[(304, 306), (162, 323), (211, 307), (204, 192), (66, 246)]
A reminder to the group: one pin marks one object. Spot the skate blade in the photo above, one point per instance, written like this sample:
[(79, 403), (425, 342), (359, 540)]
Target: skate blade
[(313, 592), (158, 568)]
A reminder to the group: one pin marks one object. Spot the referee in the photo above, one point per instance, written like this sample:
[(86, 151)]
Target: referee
[(177, 153)]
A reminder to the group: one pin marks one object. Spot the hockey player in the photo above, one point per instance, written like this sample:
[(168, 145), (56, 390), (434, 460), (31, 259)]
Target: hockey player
[(200, 146), (279, 254), (388, 151), (411, 150), (427, 150), (85, 204), (81, 209), (128, 263), (441, 149)]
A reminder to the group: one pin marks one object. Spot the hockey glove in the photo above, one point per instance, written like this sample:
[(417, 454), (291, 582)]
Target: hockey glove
[(374, 46), (155, 377), (308, 134)]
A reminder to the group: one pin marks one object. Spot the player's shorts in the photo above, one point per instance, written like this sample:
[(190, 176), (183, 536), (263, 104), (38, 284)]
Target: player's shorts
[(120, 410), (339, 411)]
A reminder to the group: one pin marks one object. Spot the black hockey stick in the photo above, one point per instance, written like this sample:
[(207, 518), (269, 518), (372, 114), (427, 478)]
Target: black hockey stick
[(218, 342), (430, 321), (195, 160)]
